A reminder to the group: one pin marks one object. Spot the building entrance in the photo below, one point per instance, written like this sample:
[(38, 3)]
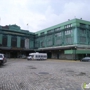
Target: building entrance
[(13, 54)]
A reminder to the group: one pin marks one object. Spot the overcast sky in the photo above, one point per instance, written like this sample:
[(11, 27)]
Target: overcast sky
[(40, 14)]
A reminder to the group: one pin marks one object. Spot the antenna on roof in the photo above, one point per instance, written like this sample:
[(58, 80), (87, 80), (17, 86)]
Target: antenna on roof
[(80, 18)]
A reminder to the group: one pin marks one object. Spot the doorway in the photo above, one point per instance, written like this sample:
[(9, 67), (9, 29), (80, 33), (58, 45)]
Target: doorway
[(13, 54)]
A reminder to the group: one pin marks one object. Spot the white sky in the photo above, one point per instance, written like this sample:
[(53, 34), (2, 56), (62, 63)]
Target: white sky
[(41, 14)]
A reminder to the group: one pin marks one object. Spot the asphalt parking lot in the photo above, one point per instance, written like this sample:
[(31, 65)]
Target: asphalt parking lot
[(20, 74)]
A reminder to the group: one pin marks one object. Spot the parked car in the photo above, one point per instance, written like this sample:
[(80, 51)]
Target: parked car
[(2, 59), (29, 58), (85, 59)]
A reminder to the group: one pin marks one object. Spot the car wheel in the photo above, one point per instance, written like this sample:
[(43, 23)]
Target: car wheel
[(2, 63)]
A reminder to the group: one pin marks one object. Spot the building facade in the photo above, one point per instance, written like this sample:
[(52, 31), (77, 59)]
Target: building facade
[(68, 40), (15, 42)]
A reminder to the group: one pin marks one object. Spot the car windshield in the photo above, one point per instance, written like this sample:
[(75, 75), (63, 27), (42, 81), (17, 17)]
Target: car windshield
[(87, 57), (30, 55), (0, 56)]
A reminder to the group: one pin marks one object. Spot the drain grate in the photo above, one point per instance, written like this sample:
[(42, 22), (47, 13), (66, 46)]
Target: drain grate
[(32, 67), (81, 74)]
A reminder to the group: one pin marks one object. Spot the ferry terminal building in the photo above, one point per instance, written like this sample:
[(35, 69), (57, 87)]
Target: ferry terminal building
[(67, 40)]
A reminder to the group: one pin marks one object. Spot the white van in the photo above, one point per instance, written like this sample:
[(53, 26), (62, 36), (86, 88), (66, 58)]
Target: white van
[(37, 56)]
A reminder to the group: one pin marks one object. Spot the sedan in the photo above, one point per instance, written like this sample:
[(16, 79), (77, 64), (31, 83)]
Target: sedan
[(85, 59), (2, 59)]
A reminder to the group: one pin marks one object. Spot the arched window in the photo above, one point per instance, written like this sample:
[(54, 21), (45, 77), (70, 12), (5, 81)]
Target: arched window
[(14, 41), (22, 43), (4, 40)]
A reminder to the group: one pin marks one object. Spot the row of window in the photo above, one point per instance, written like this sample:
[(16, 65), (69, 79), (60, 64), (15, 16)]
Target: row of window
[(68, 40), (42, 56), (58, 34), (13, 41), (58, 41), (57, 29), (66, 26), (84, 25), (67, 32)]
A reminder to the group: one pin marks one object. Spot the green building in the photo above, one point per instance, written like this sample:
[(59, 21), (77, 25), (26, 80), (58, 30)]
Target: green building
[(15, 42), (68, 40)]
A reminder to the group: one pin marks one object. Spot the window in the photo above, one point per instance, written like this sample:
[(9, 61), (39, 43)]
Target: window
[(36, 35), (68, 40), (1, 56), (50, 31), (58, 41), (82, 39), (42, 44), (57, 29), (67, 32), (36, 44), (42, 33), (14, 41), (58, 34), (49, 42), (65, 26), (68, 26), (22, 43), (4, 40), (89, 26), (82, 25), (82, 31)]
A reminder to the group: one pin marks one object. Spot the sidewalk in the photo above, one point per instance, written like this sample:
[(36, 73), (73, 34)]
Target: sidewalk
[(63, 60)]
